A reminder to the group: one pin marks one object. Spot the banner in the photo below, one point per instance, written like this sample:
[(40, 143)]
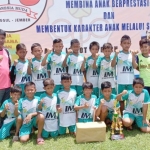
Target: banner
[(41, 21)]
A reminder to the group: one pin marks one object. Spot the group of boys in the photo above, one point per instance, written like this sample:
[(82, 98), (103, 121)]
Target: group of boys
[(54, 95)]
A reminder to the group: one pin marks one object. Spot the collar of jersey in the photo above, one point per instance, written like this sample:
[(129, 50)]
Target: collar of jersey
[(146, 57), (91, 57), (56, 54), (29, 99), (48, 95), (22, 61), (107, 60), (75, 55), (38, 60), (66, 90), (11, 101), (125, 52), (86, 98), (137, 94), (109, 98)]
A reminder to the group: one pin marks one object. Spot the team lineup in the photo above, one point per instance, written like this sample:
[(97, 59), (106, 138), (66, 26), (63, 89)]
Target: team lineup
[(54, 92)]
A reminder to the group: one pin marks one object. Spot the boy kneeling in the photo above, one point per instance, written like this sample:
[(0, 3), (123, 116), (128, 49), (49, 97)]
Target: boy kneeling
[(137, 105), (10, 109)]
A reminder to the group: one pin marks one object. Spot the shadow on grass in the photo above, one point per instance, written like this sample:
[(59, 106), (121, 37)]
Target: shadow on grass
[(10, 143), (83, 143)]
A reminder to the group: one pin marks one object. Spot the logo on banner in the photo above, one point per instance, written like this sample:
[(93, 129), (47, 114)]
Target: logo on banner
[(16, 15)]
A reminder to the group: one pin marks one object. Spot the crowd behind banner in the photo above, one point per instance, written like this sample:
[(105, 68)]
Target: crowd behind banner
[(53, 92)]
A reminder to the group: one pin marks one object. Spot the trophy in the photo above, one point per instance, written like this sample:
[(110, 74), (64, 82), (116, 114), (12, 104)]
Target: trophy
[(116, 127)]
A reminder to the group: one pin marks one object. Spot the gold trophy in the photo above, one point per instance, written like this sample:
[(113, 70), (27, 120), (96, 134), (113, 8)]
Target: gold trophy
[(116, 127)]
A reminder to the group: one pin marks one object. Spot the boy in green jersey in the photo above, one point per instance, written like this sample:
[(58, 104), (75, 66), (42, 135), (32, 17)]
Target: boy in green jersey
[(141, 62)]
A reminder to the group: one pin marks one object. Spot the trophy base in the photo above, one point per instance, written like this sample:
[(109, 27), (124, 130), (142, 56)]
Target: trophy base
[(117, 137)]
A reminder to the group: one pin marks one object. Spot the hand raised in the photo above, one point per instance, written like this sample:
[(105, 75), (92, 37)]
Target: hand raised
[(42, 101), (7, 107), (15, 62), (69, 51), (117, 51), (102, 101), (16, 104), (59, 110), (134, 52), (49, 50), (86, 105), (124, 92), (29, 59)]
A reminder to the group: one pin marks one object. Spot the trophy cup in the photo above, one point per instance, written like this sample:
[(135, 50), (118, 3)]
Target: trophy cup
[(116, 127)]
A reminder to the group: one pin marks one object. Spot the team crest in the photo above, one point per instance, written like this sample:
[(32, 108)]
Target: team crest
[(17, 15)]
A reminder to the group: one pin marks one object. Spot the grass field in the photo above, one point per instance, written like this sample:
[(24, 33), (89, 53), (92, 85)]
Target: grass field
[(134, 140)]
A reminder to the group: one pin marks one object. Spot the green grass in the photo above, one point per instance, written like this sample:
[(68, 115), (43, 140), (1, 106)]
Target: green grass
[(134, 140)]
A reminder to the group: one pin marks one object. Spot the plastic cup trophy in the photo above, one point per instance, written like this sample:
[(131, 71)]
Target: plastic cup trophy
[(116, 127)]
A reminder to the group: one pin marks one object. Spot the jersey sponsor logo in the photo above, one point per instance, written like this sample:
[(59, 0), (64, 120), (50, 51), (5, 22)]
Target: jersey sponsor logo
[(127, 69), (137, 110), (108, 74), (41, 76), (86, 115), (145, 66), (50, 115), (95, 72), (77, 71), (60, 70), (69, 109), (26, 79)]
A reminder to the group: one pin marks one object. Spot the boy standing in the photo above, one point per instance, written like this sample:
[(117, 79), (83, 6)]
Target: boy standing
[(28, 109), (137, 106), (107, 73), (74, 61), (10, 108), (47, 105), (142, 62), (19, 68), (65, 106), (86, 104), (39, 72), (54, 60), (5, 64), (93, 73), (125, 72)]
